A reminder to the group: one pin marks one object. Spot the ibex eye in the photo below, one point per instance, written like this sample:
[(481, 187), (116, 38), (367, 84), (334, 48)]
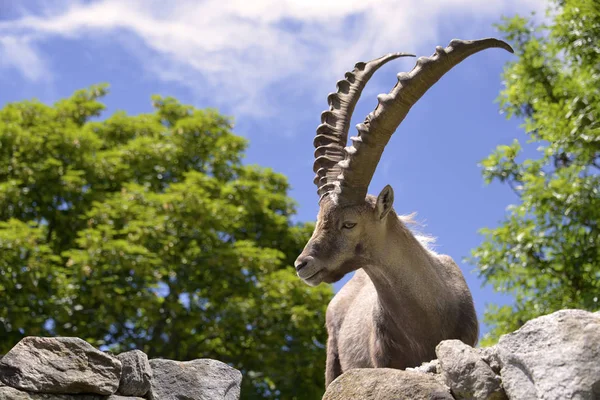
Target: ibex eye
[(349, 225)]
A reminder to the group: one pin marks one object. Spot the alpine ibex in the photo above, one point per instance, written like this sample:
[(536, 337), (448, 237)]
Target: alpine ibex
[(404, 298)]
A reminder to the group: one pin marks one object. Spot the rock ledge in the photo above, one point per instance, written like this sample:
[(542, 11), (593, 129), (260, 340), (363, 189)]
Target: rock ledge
[(553, 357), (69, 368)]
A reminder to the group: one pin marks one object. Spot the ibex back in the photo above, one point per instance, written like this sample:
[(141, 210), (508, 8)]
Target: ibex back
[(404, 298)]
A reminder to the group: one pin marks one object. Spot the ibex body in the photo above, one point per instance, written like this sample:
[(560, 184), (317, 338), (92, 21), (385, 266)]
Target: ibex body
[(403, 299)]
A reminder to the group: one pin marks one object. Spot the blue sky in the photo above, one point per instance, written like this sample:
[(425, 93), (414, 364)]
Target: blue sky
[(271, 64)]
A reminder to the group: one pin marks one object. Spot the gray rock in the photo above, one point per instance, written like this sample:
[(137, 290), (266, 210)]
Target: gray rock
[(8, 393), (491, 357), (201, 379), (430, 367), (60, 365), (117, 397), (467, 374), (386, 384), (136, 374), (556, 356)]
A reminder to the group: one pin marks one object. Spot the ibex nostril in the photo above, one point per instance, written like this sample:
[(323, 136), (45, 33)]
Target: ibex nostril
[(300, 264)]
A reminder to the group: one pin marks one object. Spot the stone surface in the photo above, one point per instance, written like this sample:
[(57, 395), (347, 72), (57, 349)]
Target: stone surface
[(201, 379), (386, 384), (491, 358), (60, 365), (117, 397), (430, 367), (467, 374), (556, 356), (552, 357), (8, 393), (136, 374)]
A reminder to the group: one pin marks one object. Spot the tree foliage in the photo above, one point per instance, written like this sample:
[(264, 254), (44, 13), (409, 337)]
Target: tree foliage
[(547, 250), (148, 232)]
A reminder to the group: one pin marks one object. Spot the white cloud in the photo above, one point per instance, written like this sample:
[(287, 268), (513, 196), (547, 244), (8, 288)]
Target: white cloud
[(237, 49), (18, 53)]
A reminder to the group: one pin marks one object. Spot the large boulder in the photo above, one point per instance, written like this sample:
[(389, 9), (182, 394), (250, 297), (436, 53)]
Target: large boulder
[(385, 384), (556, 356), (60, 365), (202, 379), (467, 374)]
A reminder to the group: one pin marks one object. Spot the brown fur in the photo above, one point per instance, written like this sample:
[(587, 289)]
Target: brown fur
[(401, 302)]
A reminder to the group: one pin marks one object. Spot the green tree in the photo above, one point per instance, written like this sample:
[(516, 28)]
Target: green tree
[(148, 232), (547, 250)]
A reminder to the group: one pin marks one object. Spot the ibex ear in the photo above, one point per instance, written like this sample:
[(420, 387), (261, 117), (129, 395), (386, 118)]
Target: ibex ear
[(385, 201)]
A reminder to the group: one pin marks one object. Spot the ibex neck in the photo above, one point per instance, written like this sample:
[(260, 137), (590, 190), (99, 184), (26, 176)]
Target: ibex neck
[(407, 282)]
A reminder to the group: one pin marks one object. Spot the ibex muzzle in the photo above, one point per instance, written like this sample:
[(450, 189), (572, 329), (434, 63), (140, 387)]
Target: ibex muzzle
[(345, 238)]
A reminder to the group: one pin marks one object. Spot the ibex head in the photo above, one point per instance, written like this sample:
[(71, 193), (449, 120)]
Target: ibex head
[(351, 225)]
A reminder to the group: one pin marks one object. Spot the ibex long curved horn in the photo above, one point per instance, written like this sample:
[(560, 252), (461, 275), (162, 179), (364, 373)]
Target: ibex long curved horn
[(332, 134), (354, 172)]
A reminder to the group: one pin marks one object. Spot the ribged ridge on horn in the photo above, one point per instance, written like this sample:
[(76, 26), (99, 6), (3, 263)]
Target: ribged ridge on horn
[(332, 134), (361, 158)]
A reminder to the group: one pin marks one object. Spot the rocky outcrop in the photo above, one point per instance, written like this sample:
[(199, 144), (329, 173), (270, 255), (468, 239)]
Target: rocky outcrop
[(66, 368), (554, 357)]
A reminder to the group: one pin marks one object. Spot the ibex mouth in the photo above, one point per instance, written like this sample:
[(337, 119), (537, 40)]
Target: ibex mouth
[(305, 274), (313, 280)]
